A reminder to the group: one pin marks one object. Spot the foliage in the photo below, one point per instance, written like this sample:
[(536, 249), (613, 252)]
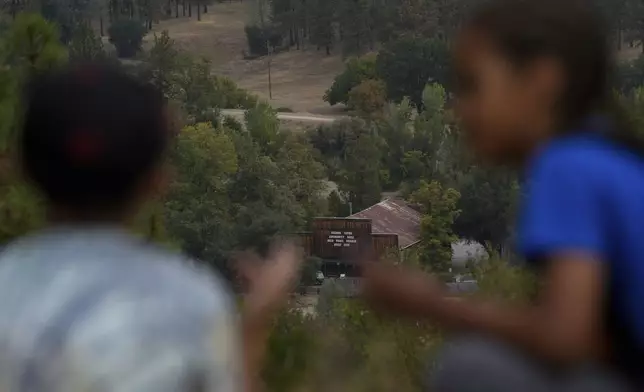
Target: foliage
[(408, 64), (127, 36), (369, 97), (33, 45), (291, 349), (85, 45), (190, 82), (30, 45), (356, 27), (258, 183), (198, 197), (163, 61), (348, 348), (261, 39), (633, 104), (630, 75), (439, 213), (498, 279), (357, 70), (487, 204), (359, 177)]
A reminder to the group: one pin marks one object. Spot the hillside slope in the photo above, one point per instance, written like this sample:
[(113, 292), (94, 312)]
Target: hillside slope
[(299, 77)]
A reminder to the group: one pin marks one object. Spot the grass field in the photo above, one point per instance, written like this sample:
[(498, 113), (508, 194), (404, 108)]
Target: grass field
[(299, 77)]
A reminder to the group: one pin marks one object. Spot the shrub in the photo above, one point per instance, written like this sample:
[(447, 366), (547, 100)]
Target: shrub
[(291, 351), (231, 96), (348, 348), (369, 97), (358, 69), (127, 36), (85, 44)]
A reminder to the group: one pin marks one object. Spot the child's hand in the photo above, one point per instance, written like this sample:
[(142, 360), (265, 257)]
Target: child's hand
[(269, 281), (399, 289)]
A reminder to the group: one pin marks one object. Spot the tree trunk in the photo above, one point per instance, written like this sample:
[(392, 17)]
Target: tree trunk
[(102, 27), (198, 11), (328, 50), (184, 7), (189, 9), (205, 8), (176, 8)]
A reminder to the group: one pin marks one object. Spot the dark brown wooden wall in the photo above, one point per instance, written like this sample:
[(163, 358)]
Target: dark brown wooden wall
[(344, 239), (385, 245)]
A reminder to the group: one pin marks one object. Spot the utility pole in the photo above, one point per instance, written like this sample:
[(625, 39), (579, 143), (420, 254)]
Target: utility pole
[(270, 58)]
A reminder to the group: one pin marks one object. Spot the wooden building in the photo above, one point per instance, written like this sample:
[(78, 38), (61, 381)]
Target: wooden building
[(383, 229), (338, 242)]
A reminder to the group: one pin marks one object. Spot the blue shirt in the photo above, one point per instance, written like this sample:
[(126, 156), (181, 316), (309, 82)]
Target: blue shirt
[(585, 193), (93, 308)]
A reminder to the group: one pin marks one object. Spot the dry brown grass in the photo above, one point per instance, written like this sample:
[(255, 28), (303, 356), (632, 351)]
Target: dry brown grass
[(299, 77)]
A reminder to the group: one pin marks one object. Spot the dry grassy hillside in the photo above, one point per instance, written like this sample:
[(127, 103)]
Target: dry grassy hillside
[(299, 78)]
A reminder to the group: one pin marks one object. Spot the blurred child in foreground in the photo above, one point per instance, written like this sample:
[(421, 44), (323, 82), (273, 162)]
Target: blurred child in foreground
[(534, 92), (86, 305)]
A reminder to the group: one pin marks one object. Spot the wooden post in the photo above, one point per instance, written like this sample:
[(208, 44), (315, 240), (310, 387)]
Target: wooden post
[(270, 84)]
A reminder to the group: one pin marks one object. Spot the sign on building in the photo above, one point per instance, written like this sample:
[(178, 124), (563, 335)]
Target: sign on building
[(341, 238)]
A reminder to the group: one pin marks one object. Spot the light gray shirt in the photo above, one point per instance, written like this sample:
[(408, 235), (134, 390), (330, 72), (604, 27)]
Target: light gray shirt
[(96, 309)]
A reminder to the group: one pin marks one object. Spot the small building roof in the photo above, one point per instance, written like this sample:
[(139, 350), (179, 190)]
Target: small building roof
[(393, 216)]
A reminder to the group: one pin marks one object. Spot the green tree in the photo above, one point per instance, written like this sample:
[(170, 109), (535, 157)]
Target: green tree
[(358, 69), (264, 127), (85, 45), (321, 21), (487, 205), (127, 36), (359, 176), (190, 82), (396, 127), (439, 213), (198, 211), (32, 44), (29, 45), (163, 62), (306, 179), (368, 98), (408, 64)]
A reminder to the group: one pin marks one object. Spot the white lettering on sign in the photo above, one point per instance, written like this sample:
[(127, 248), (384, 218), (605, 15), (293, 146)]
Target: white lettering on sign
[(341, 239)]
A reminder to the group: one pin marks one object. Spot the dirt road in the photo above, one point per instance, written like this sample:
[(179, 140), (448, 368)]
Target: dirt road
[(296, 117)]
